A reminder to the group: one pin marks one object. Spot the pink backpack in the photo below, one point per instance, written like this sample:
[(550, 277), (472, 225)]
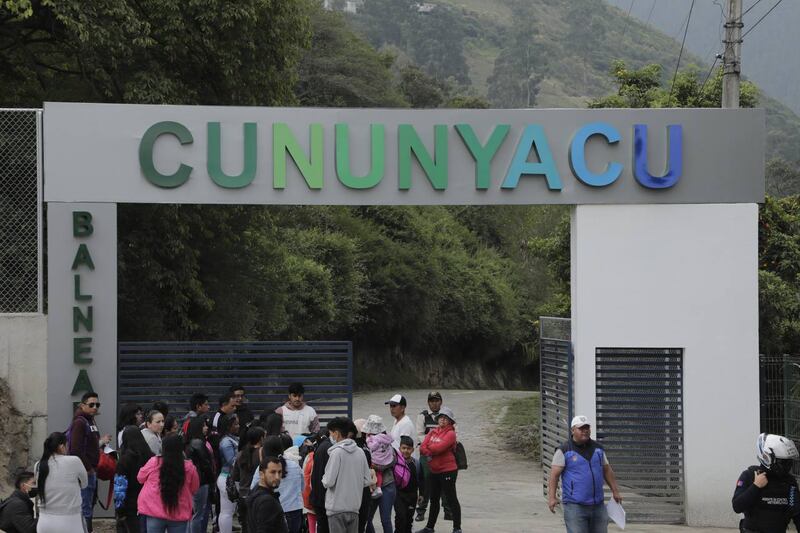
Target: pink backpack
[(402, 472)]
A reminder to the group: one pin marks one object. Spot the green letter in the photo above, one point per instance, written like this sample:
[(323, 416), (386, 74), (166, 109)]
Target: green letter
[(78, 319), (78, 296), (82, 257), (78, 348), (435, 170), (483, 155), (146, 154), (82, 224), (377, 166), (283, 140), (82, 383), (214, 163)]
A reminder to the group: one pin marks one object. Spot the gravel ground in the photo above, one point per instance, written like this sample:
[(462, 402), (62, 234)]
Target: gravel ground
[(501, 491)]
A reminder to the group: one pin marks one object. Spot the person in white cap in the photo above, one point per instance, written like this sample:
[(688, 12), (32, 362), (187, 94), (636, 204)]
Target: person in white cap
[(582, 465), (403, 425)]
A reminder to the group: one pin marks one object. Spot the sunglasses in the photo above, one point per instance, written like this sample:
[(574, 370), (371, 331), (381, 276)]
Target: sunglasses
[(393, 404), (93, 405)]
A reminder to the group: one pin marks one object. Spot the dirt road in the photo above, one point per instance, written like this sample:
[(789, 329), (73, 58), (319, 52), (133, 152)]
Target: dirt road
[(501, 492)]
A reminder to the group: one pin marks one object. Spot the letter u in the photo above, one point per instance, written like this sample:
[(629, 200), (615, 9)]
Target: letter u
[(674, 163)]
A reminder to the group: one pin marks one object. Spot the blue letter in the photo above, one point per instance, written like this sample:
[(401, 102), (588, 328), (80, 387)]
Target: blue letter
[(577, 155), (674, 165), (533, 137)]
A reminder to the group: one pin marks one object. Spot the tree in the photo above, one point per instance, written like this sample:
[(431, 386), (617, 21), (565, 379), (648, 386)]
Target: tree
[(783, 178)]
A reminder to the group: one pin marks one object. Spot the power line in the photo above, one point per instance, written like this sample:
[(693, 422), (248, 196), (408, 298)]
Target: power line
[(762, 18), (627, 19), (683, 43), (650, 15), (714, 64)]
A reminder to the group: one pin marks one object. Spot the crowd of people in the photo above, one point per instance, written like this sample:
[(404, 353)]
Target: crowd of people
[(279, 472)]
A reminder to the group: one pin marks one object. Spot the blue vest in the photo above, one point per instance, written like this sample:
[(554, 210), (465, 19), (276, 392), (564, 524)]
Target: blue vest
[(582, 480)]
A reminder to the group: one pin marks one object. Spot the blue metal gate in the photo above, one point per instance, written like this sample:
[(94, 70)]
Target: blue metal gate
[(556, 382), (173, 371)]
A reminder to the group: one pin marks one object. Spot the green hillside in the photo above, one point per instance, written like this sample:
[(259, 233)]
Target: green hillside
[(538, 53)]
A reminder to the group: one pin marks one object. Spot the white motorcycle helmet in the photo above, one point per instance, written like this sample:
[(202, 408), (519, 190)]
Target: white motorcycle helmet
[(776, 453)]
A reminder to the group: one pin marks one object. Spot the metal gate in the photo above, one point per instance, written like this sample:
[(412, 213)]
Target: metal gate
[(779, 380), (556, 375), (639, 401), (173, 371)]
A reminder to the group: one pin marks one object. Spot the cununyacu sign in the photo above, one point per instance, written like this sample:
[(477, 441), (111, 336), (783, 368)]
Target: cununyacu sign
[(236, 155)]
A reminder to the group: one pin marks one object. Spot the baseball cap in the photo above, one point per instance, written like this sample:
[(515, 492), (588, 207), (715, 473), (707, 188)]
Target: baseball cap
[(434, 395), (580, 421), (397, 398)]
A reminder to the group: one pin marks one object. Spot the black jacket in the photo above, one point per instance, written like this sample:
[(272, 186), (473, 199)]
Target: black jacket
[(320, 461), (767, 510), (197, 452), (413, 485), (16, 514), (264, 512)]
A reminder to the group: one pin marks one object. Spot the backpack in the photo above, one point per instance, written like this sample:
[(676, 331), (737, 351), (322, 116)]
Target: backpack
[(461, 456), (402, 472), (68, 432)]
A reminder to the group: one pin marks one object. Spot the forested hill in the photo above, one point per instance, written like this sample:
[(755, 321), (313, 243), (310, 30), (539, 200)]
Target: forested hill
[(538, 53)]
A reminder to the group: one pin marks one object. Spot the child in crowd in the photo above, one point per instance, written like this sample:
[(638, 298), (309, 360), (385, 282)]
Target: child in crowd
[(406, 500), (380, 446)]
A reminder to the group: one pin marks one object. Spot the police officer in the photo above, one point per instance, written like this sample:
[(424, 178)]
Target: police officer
[(767, 493), (582, 465)]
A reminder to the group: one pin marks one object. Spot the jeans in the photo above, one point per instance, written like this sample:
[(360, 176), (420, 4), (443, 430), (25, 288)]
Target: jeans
[(199, 506), (385, 503), (87, 498), (443, 486), (585, 518), (294, 519), (159, 525)]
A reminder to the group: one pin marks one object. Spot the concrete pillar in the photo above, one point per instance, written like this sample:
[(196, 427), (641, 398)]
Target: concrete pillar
[(678, 276)]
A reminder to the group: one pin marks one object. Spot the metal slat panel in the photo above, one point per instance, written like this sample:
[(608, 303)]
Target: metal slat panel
[(173, 371), (639, 406)]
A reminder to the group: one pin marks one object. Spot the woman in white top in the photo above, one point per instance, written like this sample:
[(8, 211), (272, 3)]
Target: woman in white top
[(60, 478), (153, 427)]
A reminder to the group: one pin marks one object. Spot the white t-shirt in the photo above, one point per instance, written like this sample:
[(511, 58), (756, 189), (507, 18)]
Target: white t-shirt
[(65, 480), (401, 427), (298, 422)]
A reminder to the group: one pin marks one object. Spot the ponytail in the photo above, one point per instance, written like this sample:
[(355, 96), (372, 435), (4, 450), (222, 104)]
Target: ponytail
[(51, 445)]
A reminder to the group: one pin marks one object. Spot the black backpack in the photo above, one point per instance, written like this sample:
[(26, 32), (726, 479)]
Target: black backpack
[(461, 456)]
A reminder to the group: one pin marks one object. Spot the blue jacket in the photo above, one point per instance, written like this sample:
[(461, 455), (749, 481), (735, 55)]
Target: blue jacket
[(582, 479)]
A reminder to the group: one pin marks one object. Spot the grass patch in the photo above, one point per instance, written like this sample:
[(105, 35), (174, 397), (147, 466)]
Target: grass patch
[(517, 425)]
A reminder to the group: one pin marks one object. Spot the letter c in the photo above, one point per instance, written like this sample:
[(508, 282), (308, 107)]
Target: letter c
[(577, 155), (149, 138)]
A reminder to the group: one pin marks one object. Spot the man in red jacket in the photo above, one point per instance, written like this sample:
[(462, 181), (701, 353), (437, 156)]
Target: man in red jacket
[(439, 445)]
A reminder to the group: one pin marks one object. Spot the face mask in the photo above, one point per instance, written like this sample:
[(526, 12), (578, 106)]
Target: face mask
[(332, 439), (33, 492)]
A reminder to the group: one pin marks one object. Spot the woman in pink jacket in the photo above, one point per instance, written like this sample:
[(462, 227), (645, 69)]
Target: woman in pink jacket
[(440, 446), (168, 484)]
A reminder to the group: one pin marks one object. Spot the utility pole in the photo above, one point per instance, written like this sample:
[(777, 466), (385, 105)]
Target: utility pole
[(732, 58)]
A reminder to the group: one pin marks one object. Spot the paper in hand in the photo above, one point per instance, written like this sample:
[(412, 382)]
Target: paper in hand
[(616, 513)]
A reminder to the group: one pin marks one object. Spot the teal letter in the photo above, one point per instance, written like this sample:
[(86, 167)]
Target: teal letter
[(377, 165), (82, 383), (82, 257), (577, 155), (214, 163), (146, 154), (79, 348), (78, 296), (483, 155), (533, 137), (283, 140), (435, 169), (79, 319), (82, 224)]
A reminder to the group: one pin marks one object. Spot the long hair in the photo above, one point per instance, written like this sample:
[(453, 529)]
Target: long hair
[(273, 424), (253, 437), (195, 429), (171, 472), (225, 424), (127, 415), (51, 444), (133, 443)]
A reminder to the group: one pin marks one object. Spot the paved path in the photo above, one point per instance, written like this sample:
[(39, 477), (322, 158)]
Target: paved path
[(501, 492)]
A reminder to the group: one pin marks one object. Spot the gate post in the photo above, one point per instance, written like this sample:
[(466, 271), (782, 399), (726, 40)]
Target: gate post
[(679, 276)]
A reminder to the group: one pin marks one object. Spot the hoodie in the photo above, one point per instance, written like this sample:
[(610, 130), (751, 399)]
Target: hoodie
[(84, 440), (346, 475)]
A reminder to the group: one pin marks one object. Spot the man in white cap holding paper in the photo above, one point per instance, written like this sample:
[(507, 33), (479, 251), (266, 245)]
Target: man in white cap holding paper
[(582, 465), (403, 425)]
